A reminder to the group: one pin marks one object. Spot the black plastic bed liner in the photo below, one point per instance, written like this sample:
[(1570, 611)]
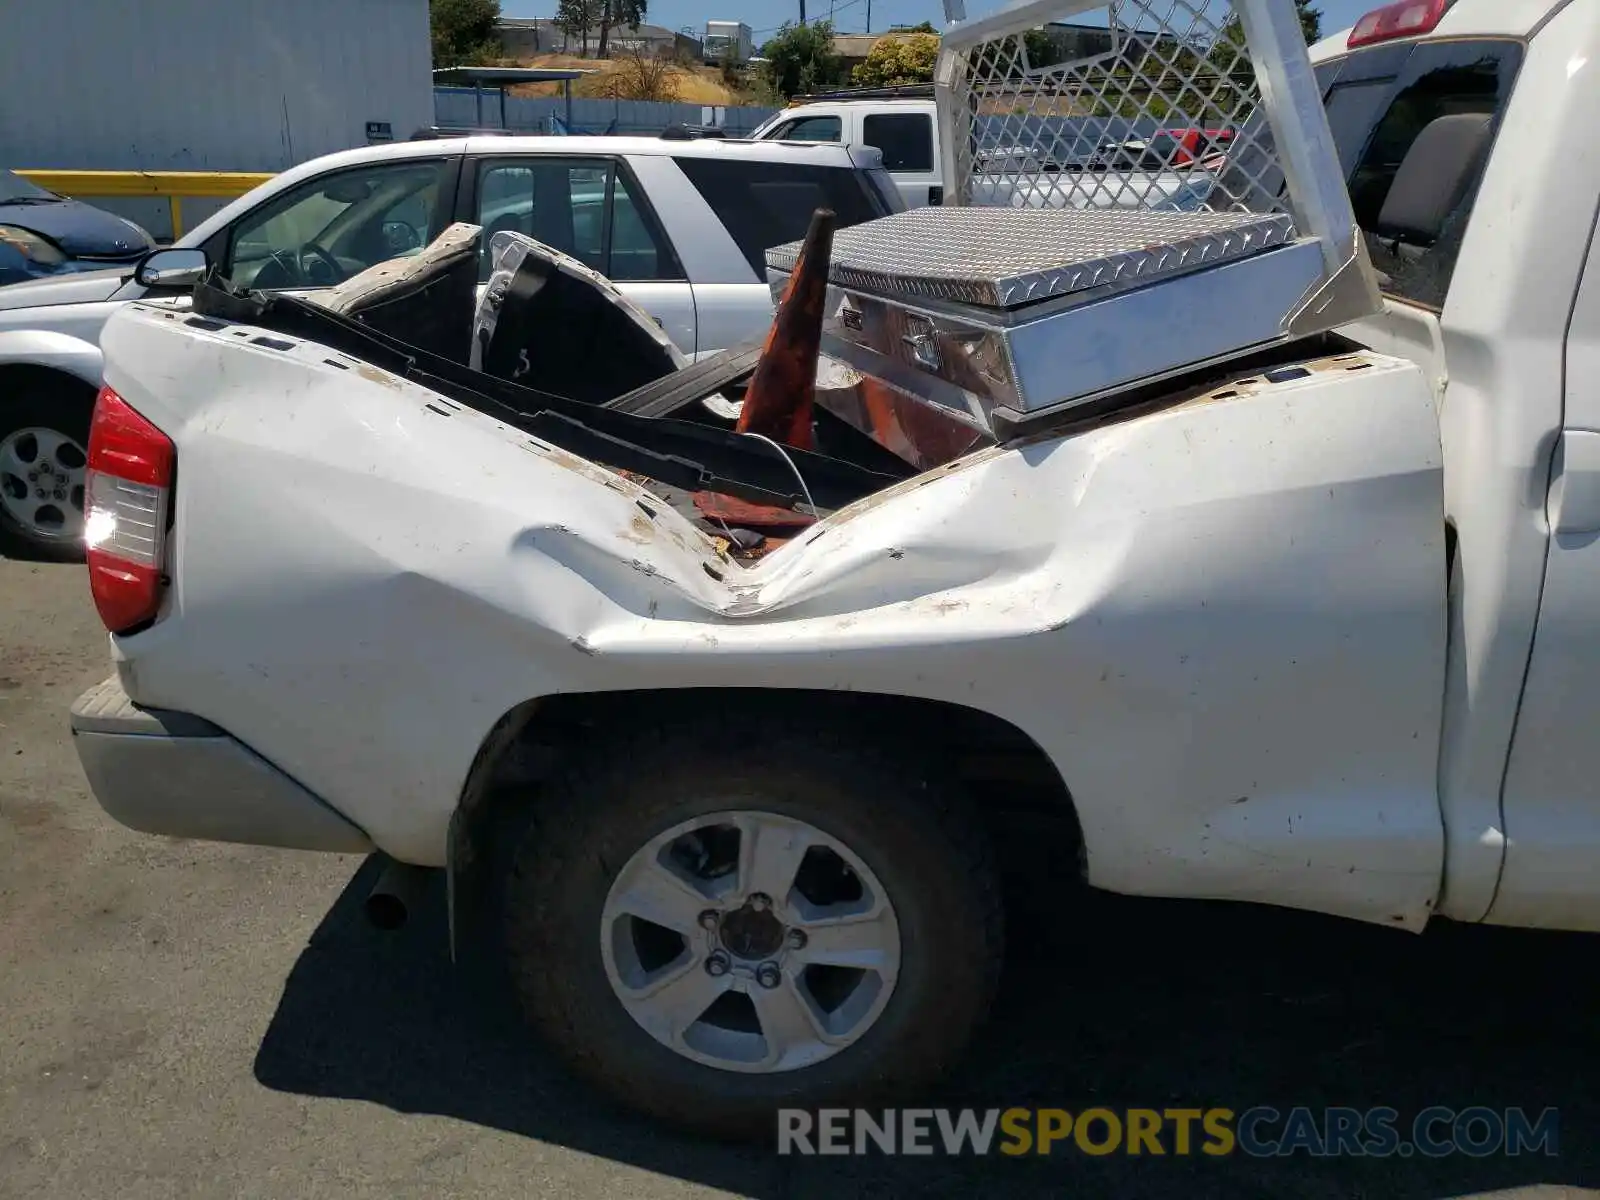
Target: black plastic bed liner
[(679, 453)]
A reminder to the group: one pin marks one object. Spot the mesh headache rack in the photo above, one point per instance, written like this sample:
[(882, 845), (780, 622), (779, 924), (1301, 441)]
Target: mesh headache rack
[(1146, 190)]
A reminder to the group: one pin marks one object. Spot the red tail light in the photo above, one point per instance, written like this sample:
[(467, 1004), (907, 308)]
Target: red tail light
[(1406, 19), (126, 494)]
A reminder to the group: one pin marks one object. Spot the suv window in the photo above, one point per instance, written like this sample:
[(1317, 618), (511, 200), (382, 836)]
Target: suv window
[(906, 139), (582, 207), (765, 204), (1375, 119), (330, 228), (810, 129)]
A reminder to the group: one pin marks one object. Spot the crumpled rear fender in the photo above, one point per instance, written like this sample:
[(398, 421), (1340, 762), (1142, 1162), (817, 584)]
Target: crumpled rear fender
[(1224, 622)]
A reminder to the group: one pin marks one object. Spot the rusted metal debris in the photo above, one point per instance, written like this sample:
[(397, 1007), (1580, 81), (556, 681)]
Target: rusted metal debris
[(715, 506)]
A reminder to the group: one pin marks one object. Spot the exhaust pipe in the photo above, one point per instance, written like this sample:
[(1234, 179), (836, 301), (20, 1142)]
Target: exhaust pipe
[(396, 893)]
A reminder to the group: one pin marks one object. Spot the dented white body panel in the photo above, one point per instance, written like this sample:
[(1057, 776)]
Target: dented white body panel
[(1224, 622), (1322, 640)]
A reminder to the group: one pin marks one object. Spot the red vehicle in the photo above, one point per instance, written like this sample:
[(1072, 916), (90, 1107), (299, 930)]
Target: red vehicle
[(1207, 147), (1167, 150)]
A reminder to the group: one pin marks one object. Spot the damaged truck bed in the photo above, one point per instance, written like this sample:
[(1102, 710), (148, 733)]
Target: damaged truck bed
[(674, 551), (560, 354)]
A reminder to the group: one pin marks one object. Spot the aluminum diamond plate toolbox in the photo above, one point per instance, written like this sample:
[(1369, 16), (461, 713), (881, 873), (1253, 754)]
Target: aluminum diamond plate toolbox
[(1133, 189), (1005, 259)]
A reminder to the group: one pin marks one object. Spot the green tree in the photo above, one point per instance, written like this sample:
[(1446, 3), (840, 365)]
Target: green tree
[(899, 59), (1041, 49), (1014, 56), (624, 14), (801, 58), (1310, 25), (576, 18), (1224, 67), (463, 31), (1310, 20)]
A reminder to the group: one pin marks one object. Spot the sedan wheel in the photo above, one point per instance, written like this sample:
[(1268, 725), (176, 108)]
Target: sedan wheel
[(44, 439), (41, 484)]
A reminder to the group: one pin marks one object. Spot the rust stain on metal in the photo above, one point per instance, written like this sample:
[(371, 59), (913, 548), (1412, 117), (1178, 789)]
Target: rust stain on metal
[(640, 530), (579, 466), (377, 375), (717, 507)]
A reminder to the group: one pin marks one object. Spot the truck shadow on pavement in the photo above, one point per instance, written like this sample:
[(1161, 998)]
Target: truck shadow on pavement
[(1122, 1004)]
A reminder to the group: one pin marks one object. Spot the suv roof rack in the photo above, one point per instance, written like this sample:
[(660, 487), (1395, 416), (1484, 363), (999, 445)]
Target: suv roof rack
[(437, 132), (906, 91)]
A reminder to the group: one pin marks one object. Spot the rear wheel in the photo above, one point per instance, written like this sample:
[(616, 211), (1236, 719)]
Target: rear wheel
[(710, 939), (44, 441)]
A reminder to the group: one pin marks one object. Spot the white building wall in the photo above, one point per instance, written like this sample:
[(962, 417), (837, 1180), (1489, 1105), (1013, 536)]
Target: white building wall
[(206, 85)]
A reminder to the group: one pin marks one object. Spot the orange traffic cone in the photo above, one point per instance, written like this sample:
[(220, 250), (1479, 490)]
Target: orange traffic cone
[(778, 400)]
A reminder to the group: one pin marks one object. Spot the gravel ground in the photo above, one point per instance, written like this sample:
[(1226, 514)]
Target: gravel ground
[(193, 1020)]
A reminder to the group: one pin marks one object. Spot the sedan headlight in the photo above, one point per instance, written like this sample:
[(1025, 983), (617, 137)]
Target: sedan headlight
[(31, 246)]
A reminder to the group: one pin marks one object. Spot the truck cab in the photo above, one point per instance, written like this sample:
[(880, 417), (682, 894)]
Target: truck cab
[(727, 42), (901, 122), (1491, 284)]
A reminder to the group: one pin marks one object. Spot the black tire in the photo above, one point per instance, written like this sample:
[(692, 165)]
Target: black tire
[(895, 811), (36, 397)]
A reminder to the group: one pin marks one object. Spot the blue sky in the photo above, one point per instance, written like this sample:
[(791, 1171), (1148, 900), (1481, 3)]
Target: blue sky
[(850, 16)]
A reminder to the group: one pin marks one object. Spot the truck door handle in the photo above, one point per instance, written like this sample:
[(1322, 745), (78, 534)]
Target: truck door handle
[(1574, 502)]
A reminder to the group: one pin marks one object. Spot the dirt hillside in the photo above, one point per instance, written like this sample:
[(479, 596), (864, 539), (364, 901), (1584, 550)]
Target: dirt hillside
[(690, 85)]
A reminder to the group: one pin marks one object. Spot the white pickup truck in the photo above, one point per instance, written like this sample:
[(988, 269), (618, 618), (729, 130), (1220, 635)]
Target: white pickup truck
[(1048, 163), (901, 123), (1252, 588)]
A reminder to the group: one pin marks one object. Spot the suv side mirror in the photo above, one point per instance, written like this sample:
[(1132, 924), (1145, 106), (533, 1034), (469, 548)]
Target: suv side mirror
[(172, 268)]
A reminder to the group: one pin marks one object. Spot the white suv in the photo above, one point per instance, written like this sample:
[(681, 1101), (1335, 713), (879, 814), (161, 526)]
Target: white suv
[(680, 225)]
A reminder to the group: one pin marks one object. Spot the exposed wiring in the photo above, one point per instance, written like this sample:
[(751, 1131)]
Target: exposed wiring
[(837, 8), (801, 479), (733, 542)]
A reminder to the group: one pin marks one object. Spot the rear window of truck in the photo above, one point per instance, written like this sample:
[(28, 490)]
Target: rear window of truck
[(1378, 101), (906, 139), (766, 204)]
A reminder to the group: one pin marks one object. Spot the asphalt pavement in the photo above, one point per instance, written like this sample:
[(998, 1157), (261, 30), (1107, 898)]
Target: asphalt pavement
[(179, 1019)]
